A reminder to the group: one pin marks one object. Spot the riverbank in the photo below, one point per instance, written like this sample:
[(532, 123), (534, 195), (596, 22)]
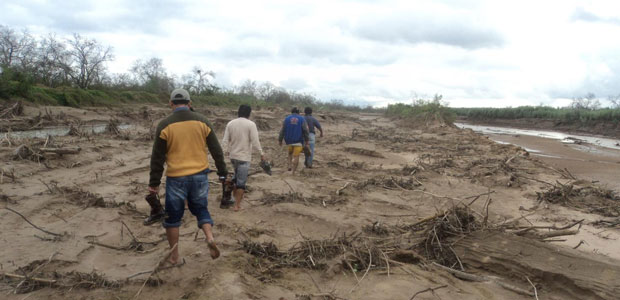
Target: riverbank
[(608, 129)]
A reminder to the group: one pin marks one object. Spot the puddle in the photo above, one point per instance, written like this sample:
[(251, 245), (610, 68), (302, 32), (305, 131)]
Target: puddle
[(59, 131), (563, 137)]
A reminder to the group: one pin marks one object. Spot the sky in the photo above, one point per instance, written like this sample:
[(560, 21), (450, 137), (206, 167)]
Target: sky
[(476, 53)]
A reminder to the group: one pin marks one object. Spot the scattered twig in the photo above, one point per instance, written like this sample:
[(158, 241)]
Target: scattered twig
[(157, 267), (431, 289), (35, 226), (535, 290)]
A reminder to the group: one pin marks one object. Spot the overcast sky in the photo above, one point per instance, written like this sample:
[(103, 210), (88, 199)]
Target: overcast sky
[(473, 52)]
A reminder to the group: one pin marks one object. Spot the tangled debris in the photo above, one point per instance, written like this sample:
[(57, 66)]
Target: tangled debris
[(390, 183), (296, 197), (586, 197)]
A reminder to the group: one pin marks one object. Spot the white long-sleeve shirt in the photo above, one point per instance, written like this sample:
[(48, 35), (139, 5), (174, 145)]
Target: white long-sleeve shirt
[(240, 137)]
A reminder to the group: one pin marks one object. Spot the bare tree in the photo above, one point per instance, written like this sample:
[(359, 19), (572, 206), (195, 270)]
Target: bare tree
[(198, 80), (52, 55), (614, 100), (16, 49), (87, 60), (248, 87), (152, 75), (588, 102)]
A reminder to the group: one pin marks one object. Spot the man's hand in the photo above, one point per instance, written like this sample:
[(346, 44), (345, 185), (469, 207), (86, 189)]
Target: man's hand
[(280, 142), (262, 157), (321, 134), (153, 189)]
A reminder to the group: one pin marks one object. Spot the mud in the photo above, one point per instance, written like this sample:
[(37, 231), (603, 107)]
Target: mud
[(366, 223)]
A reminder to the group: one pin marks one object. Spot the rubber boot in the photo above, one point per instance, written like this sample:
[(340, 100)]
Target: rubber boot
[(157, 211), (227, 201)]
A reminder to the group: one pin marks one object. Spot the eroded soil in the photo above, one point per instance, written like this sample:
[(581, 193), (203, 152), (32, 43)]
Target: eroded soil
[(384, 202)]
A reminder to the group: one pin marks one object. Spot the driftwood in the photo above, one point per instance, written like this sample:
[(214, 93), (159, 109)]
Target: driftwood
[(570, 274), (61, 151)]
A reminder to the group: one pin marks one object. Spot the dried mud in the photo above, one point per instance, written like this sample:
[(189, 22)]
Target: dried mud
[(388, 212)]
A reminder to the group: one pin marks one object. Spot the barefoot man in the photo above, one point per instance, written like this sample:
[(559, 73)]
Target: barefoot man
[(240, 137), (181, 141), (295, 133)]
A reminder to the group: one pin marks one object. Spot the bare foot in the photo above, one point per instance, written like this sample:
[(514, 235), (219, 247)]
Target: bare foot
[(173, 260), (237, 208), (213, 250)]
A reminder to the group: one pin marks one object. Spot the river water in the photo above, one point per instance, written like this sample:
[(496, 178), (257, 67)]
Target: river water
[(587, 157)]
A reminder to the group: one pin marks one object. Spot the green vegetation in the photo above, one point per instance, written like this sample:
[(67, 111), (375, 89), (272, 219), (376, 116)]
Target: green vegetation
[(423, 110), (72, 72), (567, 115)]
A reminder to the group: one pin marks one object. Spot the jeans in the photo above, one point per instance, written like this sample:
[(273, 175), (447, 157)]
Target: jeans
[(312, 141), (241, 172), (194, 188)]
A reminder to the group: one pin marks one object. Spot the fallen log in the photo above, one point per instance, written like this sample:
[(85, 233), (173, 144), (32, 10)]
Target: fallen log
[(558, 270), (61, 151)]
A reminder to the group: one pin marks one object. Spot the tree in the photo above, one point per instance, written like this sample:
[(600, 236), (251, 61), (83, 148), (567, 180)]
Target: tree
[(588, 102), (87, 60), (16, 49), (52, 55), (615, 101), (248, 87), (152, 75), (198, 81)]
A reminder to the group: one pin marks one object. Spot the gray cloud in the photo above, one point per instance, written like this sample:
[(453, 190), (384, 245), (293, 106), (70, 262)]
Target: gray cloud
[(416, 29), (84, 17), (581, 14), (294, 84)]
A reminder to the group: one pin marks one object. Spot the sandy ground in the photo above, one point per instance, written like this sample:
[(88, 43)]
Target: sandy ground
[(372, 178), (584, 161)]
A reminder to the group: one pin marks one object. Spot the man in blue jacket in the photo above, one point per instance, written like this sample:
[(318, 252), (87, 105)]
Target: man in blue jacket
[(295, 133)]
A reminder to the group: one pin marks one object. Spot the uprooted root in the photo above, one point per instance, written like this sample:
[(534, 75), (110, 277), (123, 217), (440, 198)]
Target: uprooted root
[(84, 198), (356, 252), (70, 280), (454, 223), (365, 152), (296, 197), (590, 198), (401, 183)]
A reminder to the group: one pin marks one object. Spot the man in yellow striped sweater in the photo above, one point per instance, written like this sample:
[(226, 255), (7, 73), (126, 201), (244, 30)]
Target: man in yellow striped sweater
[(181, 141)]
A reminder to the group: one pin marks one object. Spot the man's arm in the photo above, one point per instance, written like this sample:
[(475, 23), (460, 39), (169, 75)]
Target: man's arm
[(226, 139), (281, 136), (255, 141), (216, 152), (158, 158), (305, 132), (318, 125)]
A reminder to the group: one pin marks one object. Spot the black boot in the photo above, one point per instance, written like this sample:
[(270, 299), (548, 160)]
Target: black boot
[(157, 211), (227, 200)]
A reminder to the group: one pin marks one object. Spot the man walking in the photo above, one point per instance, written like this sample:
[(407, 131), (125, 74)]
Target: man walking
[(295, 133), (180, 143), (312, 123), (240, 137)]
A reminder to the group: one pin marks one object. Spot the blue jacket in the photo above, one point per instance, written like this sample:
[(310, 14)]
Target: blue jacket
[(294, 130)]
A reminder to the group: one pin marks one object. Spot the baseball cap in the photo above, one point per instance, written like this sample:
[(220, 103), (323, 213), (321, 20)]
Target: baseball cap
[(179, 94)]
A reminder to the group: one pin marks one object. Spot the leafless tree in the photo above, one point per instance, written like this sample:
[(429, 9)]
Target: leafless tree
[(52, 55), (588, 101), (614, 100), (87, 60), (198, 81), (16, 48), (152, 75)]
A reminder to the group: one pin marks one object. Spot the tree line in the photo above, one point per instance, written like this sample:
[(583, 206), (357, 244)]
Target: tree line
[(80, 62)]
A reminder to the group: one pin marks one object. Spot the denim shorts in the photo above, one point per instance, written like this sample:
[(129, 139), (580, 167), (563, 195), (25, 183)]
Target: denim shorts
[(241, 172), (194, 189)]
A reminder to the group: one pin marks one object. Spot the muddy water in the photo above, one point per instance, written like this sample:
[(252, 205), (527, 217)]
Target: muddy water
[(595, 158)]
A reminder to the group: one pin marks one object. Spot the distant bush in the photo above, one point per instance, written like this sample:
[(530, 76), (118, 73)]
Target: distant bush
[(427, 111), (564, 115)]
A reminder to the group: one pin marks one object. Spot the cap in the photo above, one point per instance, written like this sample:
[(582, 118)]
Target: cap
[(179, 94)]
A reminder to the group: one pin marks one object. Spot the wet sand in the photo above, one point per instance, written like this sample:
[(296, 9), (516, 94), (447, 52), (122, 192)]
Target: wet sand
[(583, 161)]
